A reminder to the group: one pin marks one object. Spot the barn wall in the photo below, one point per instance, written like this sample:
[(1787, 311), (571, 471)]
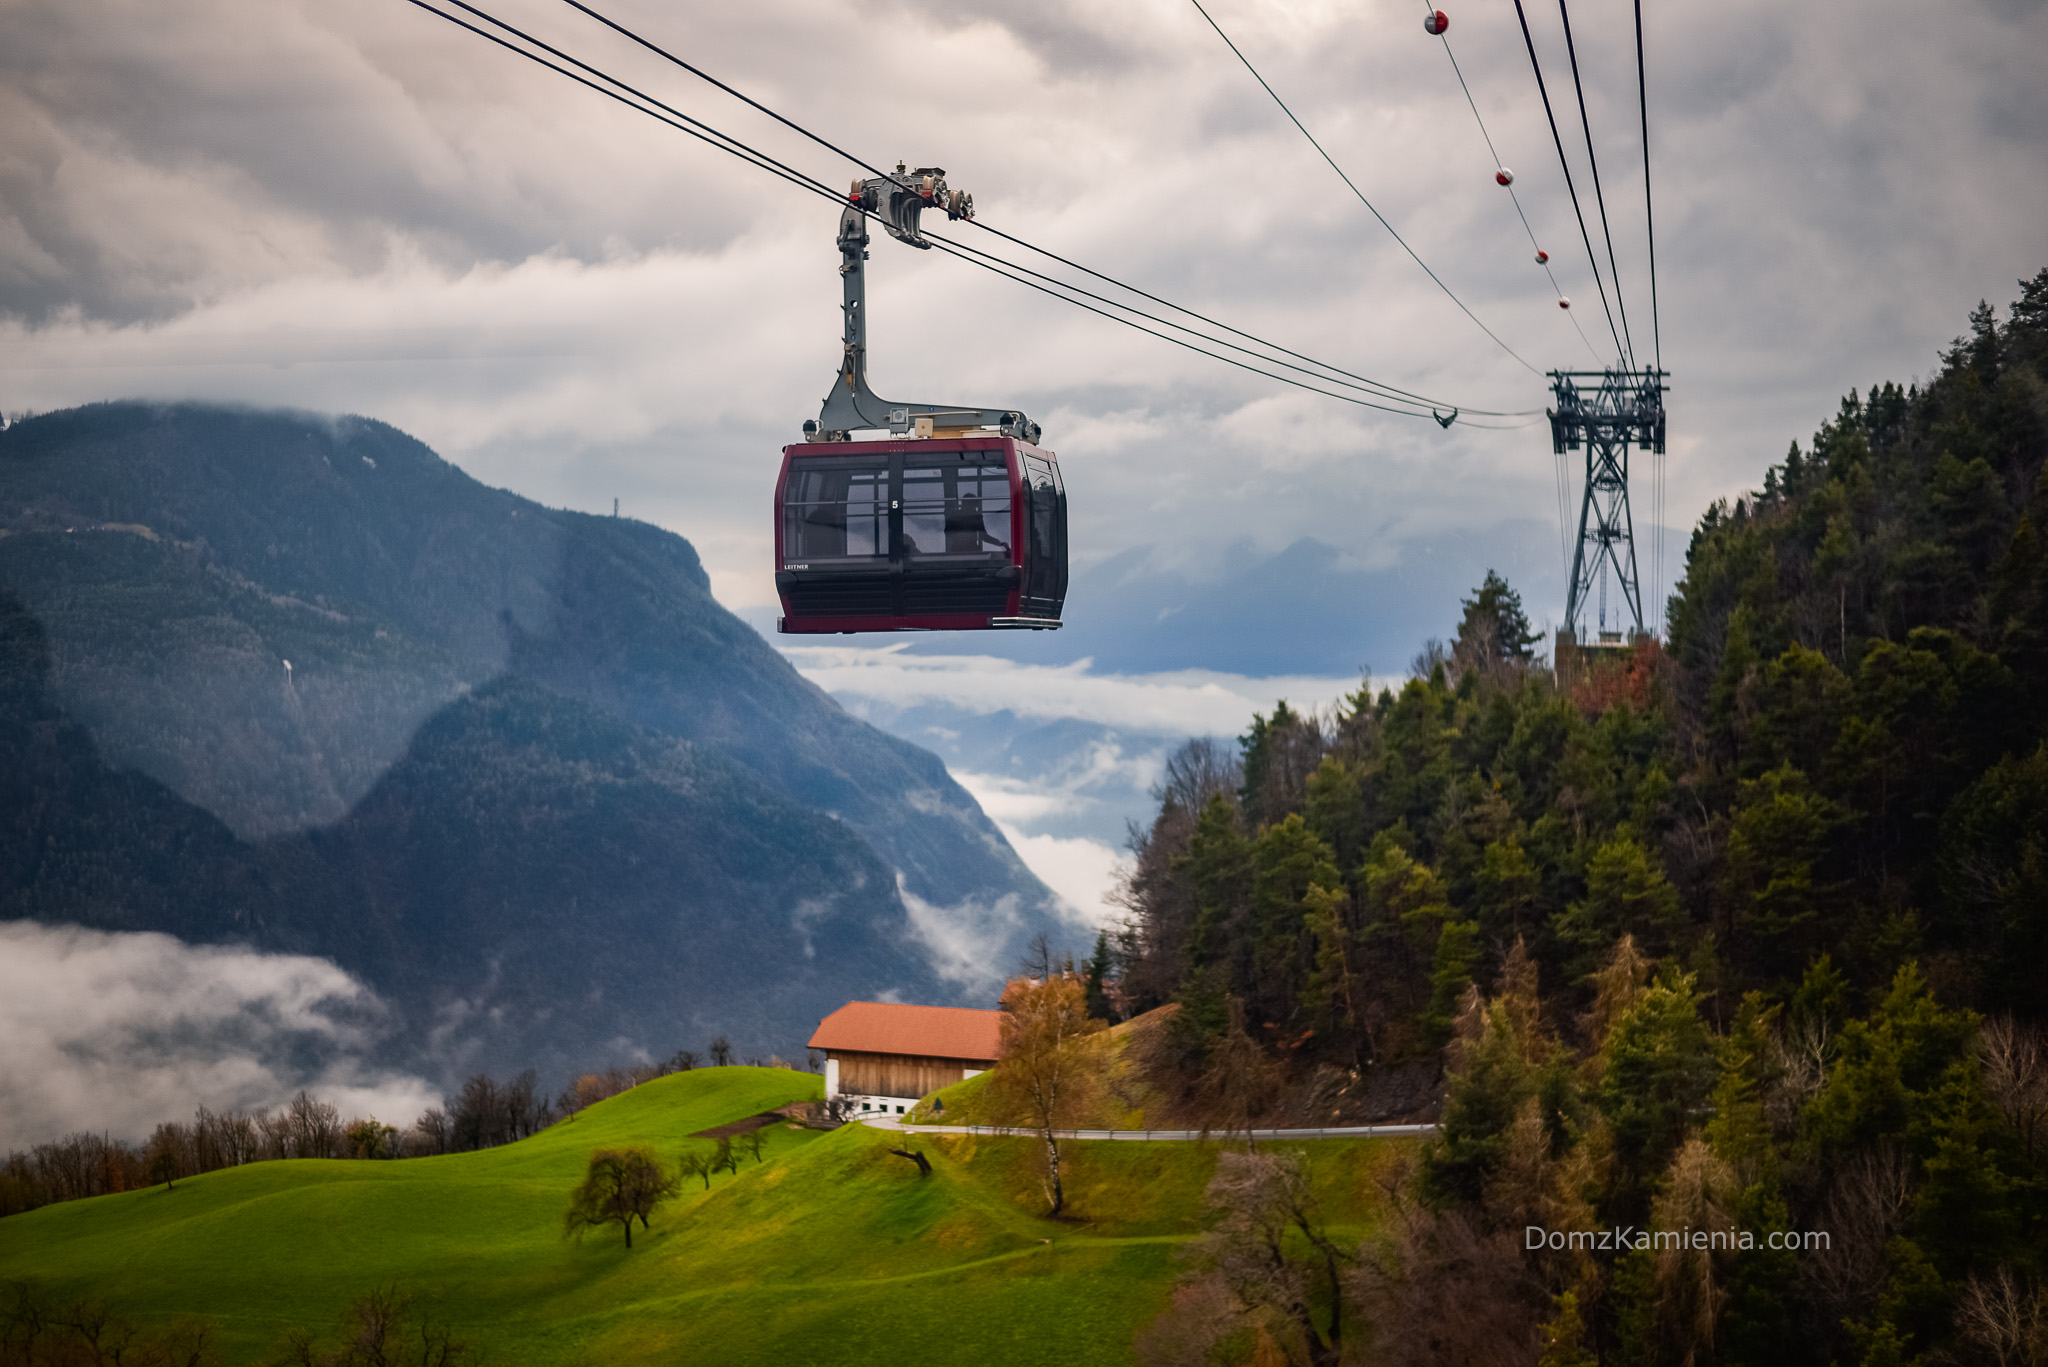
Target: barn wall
[(904, 1075)]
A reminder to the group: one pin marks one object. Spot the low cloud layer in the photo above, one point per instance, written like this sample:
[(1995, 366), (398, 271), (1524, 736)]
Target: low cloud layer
[(1189, 702), (116, 1032), (1061, 758), (959, 938)]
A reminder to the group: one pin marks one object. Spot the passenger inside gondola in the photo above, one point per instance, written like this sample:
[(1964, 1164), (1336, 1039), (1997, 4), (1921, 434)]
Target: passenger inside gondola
[(955, 509), (967, 531)]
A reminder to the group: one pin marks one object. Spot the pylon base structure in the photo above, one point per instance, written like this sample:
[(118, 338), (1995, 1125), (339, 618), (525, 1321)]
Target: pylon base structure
[(1605, 412)]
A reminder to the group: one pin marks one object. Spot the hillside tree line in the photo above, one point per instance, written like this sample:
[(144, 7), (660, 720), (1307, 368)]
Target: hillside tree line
[(1743, 931)]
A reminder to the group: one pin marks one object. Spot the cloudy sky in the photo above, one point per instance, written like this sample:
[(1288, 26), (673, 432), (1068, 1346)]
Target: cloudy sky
[(359, 207)]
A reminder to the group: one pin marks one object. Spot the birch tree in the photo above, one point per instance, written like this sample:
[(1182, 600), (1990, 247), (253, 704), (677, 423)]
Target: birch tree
[(1047, 1067)]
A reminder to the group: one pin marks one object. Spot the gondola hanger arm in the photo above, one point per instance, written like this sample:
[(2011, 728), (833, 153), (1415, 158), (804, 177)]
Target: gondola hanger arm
[(896, 201)]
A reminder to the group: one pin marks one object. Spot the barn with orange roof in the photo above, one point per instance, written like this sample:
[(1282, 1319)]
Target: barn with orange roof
[(885, 1055)]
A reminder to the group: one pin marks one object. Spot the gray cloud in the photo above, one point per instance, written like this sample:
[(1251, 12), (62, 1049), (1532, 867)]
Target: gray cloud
[(115, 1032), (302, 204)]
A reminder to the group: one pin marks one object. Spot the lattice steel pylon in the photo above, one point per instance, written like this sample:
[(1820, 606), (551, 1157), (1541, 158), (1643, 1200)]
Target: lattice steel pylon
[(1607, 411)]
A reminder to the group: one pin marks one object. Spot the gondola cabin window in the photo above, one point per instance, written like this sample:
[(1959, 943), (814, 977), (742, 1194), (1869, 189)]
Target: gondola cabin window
[(837, 509), (956, 508)]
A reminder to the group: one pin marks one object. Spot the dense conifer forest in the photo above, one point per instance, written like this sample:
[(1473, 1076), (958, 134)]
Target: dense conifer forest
[(1742, 932)]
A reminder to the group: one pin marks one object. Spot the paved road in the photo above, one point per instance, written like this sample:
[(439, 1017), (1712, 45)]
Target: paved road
[(882, 1122)]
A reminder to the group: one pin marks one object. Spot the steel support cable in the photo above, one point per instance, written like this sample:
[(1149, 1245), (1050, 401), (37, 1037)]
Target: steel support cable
[(998, 266), (1372, 387), (1356, 191), (1239, 332), (1586, 122), (1592, 259), (1649, 216), (725, 143), (1656, 323), (840, 151), (703, 75), (953, 249), (761, 158), (710, 136), (804, 182), (1514, 198)]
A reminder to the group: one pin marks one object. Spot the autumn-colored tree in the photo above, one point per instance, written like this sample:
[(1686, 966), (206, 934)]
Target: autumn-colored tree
[(1047, 1067)]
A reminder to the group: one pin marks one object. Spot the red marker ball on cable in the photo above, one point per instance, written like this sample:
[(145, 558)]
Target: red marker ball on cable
[(1542, 257), (1436, 23), (1563, 302), (1504, 176)]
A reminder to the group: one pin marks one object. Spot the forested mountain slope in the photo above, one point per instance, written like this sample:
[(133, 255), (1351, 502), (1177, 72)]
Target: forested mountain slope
[(488, 755), (1745, 934)]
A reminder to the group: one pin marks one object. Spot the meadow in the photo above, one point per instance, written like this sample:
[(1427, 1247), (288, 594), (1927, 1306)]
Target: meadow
[(828, 1249)]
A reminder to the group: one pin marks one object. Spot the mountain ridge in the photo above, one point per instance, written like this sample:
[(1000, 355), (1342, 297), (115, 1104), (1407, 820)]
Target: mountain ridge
[(320, 635)]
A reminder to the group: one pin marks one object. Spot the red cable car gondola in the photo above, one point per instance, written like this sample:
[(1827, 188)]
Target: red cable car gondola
[(956, 522), (940, 534)]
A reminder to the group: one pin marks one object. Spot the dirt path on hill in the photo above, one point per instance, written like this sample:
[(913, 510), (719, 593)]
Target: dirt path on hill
[(733, 1129)]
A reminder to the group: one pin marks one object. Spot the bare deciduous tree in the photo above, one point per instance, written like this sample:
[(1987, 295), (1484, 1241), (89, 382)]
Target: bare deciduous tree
[(1865, 1207), (1042, 961), (2016, 1075), (382, 1328), (1241, 1083), (2006, 1317), (1267, 1267), (721, 1052), (1445, 1293)]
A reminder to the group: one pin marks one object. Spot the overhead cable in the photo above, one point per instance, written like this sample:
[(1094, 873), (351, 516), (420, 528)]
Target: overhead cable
[(1542, 257), (1586, 122), (791, 124), (1420, 406), (1386, 390), (709, 135), (1649, 216), (953, 248), (742, 97), (1369, 386), (1354, 188), (1565, 164), (1656, 328)]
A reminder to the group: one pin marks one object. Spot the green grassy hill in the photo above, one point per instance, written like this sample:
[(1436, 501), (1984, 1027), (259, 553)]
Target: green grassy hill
[(829, 1250)]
